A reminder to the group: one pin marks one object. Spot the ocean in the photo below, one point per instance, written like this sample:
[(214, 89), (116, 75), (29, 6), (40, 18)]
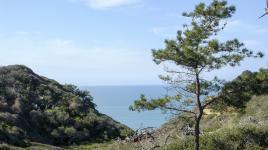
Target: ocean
[(114, 101)]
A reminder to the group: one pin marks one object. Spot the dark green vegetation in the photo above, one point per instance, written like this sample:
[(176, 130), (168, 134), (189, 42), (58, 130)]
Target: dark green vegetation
[(34, 108), (242, 89), (195, 52)]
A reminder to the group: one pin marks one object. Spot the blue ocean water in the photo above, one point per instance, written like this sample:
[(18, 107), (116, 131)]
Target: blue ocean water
[(115, 101)]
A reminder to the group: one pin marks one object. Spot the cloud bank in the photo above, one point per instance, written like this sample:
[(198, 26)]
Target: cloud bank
[(63, 60), (106, 4)]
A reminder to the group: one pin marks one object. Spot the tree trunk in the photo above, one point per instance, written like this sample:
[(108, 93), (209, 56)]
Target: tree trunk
[(200, 112), (197, 133)]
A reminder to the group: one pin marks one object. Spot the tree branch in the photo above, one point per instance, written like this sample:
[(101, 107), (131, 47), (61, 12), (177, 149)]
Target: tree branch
[(179, 72), (177, 109), (222, 95), (210, 102)]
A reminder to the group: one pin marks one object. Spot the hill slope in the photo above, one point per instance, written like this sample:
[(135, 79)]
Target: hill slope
[(35, 108), (229, 130)]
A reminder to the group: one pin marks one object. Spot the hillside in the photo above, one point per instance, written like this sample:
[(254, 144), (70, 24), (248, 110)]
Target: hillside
[(37, 109), (229, 130), (37, 112)]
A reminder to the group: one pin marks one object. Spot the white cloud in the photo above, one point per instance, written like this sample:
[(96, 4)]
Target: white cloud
[(261, 30), (66, 62), (22, 33), (175, 15), (167, 32), (106, 4), (158, 30), (64, 53), (252, 43), (240, 25), (234, 23)]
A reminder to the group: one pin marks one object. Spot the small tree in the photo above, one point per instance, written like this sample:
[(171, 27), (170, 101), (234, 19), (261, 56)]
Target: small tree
[(196, 51)]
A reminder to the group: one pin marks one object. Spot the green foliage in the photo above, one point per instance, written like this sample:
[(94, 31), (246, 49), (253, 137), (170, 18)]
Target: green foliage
[(228, 131), (11, 134), (231, 130), (144, 104), (196, 50), (39, 109), (246, 138), (196, 46), (239, 91)]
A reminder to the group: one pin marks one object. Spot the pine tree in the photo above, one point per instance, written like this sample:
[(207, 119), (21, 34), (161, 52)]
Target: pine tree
[(195, 52)]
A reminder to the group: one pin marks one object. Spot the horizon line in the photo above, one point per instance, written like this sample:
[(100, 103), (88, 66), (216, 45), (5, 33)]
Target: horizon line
[(118, 85)]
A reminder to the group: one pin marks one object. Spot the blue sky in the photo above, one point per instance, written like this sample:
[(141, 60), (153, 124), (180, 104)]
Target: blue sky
[(109, 42)]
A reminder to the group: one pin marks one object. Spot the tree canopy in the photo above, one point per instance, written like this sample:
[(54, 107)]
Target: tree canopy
[(197, 51)]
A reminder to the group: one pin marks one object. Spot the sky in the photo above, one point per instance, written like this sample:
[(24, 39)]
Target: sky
[(109, 42)]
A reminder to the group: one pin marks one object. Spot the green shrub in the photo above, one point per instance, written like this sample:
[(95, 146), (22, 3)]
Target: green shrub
[(248, 137)]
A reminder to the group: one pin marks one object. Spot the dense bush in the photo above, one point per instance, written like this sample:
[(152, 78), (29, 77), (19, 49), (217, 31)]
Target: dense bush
[(239, 91), (39, 109)]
